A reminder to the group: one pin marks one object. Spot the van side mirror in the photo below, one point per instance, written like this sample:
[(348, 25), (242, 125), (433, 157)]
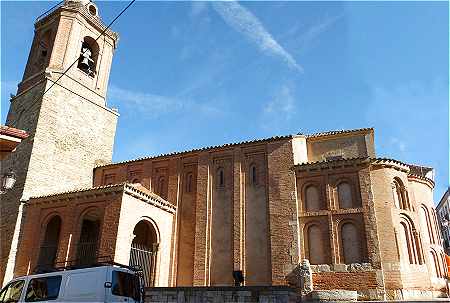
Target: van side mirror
[(108, 284)]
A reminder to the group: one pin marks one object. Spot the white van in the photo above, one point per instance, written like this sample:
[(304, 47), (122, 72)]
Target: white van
[(94, 284)]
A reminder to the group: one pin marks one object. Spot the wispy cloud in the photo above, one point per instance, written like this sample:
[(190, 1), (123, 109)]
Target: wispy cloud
[(149, 103), (245, 22), (280, 109), (282, 103), (317, 29), (302, 37), (155, 105)]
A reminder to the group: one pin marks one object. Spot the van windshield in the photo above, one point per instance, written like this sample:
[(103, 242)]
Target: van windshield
[(126, 285)]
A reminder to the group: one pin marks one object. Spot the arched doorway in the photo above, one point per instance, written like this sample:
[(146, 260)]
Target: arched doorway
[(87, 247), (144, 250), (49, 246)]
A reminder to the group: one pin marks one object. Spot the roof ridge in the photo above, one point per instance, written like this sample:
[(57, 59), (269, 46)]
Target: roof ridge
[(273, 138), (11, 131), (337, 132), (79, 190)]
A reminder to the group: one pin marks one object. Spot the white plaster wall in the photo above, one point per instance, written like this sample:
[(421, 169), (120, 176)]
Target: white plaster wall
[(299, 149), (132, 211)]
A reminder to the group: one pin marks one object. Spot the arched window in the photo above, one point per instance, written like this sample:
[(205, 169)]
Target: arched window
[(87, 248), (345, 196), (220, 177), (315, 245), (253, 175), (43, 54), (426, 225), (410, 245), (437, 230), (444, 266), (161, 188), (351, 243), (87, 61), (312, 198), (400, 195), (189, 182), (435, 264), (49, 246)]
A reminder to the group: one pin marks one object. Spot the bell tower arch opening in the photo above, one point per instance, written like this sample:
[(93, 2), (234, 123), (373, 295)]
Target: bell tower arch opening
[(88, 56), (144, 250), (69, 125)]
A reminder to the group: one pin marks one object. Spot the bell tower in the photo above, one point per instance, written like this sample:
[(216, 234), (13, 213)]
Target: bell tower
[(71, 130)]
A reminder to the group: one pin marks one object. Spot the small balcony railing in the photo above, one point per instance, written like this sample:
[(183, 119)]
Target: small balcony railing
[(87, 253)]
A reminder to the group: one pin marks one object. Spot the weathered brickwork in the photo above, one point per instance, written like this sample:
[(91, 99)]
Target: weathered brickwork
[(345, 280), (262, 206), (222, 294), (70, 128)]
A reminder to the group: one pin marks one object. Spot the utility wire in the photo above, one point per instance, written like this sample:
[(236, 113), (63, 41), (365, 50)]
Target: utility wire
[(101, 34), (62, 75), (51, 8)]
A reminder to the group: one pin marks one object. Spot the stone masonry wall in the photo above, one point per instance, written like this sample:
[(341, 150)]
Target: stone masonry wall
[(269, 294), (19, 162)]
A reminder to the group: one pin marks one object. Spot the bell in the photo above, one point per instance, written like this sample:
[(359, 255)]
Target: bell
[(84, 64)]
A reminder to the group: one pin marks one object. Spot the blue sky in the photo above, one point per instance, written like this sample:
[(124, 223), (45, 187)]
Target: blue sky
[(193, 74)]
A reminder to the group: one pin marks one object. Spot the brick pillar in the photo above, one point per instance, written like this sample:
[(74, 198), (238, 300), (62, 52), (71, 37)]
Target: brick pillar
[(200, 265), (282, 210), (238, 208), (370, 222)]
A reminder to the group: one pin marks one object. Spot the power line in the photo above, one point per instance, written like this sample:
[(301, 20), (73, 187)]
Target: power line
[(54, 82), (50, 9), (101, 34)]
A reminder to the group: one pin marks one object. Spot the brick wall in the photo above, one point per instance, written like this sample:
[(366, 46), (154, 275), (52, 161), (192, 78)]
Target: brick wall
[(345, 280)]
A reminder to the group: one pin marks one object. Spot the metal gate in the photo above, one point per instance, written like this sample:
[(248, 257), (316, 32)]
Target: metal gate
[(146, 259)]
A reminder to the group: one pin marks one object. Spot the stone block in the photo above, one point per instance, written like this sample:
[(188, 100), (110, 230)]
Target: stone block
[(334, 295), (340, 267), (324, 268)]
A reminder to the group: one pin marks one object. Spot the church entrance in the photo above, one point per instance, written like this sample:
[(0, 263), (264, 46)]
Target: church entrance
[(144, 251)]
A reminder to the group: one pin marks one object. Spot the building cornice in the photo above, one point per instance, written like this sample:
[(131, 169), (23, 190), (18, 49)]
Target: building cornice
[(149, 197), (339, 133), (390, 163), (203, 149), (133, 190), (421, 179), (78, 8), (13, 132), (332, 164)]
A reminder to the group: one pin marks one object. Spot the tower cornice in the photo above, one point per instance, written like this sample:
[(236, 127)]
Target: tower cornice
[(68, 8)]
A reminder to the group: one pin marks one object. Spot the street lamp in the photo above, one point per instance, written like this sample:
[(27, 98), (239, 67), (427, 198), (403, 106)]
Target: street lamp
[(8, 181)]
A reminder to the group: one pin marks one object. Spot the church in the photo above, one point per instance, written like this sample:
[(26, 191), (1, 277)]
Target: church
[(192, 218)]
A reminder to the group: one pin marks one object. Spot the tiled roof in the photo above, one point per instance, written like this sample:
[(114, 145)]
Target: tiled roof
[(355, 159), (80, 190), (128, 188), (389, 161), (338, 132), (275, 138), (334, 161), (375, 161), (13, 132), (420, 177)]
